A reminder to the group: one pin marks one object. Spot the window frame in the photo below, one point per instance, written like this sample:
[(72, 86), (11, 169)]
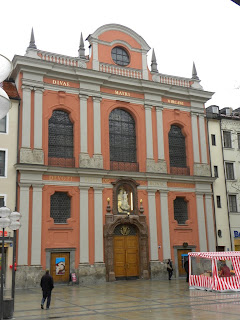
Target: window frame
[(227, 139), (213, 139), (215, 168), (238, 137), (172, 159), (185, 213), (6, 125), (5, 162), (230, 203), (116, 61), (70, 207), (227, 165), (218, 200)]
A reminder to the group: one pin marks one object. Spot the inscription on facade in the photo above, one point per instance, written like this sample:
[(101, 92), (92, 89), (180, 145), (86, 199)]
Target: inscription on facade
[(91, 180), (60, 178), (61, 83), (122, 93), (177, 102)]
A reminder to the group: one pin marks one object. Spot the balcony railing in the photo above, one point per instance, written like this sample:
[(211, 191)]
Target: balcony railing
[(123, 166), (61, 162), (180, 171)]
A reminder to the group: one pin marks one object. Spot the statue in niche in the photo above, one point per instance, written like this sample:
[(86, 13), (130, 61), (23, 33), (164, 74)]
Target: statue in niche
[(123, 206)]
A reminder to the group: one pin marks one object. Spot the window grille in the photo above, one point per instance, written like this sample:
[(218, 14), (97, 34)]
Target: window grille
[(180, 210), (227, 139), (229, 171), (218, 201), (177, 150), (213, 137), (125, 229), (120, 56), (122, 136), (60, 207), (2, 163), (60, 139), (232, 203)]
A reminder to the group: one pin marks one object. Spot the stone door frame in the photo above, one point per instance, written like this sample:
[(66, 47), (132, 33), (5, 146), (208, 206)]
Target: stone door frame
[(112, 221)]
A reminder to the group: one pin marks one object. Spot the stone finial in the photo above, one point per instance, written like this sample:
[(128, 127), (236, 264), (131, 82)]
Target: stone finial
[(32, 44), (81, 50), (194, 72), (154, 62)]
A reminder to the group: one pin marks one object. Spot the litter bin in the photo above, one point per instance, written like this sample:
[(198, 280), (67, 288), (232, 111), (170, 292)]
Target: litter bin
[(7, 308)]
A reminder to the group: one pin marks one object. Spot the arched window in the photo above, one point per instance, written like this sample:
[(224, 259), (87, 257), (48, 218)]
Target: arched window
[(60, 209), (180, 210), (177, 149), (60, 138), (122, 137)]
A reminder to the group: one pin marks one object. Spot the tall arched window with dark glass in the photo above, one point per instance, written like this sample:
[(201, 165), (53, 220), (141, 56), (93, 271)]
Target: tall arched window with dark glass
[(177, 151), (60, 140), (60, 209), (122, 140)]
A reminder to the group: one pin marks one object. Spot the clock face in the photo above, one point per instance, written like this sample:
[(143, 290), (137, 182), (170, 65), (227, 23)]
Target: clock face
[(120, 56)]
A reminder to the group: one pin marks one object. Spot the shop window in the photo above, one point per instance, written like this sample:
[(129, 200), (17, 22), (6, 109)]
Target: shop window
[(180, 210), (2, 163), (227, 143), (60, 209), (229, 171), (215, 171), (219, 202), (122, 141), (232, 203), (213, 137), (3, 125), (60, 139)]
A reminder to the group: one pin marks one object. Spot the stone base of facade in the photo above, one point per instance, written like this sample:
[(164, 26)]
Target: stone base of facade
[(91, 274), (86, 162), (202, 169), (35, 156), (158, 270), (28, 276), (160, 166)]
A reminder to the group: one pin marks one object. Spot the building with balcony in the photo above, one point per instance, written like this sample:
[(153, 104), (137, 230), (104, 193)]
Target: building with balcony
[(114, 171)]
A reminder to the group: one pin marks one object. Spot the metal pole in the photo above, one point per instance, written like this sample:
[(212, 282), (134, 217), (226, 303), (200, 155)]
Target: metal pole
[(13, 264), (2, 275)]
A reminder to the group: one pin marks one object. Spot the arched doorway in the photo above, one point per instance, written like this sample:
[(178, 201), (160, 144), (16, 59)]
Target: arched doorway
[(126, 252)]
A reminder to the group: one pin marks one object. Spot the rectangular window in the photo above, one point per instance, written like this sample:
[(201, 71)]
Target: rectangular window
[(218, 201), (213, 137), (1, 202), (232, 203), (238, 140), (215, 171), (2, 163), (229, 171), (227, 143), (3, 125)]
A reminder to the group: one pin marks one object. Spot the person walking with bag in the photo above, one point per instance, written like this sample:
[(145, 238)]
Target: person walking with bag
[(47, 286), (169, 269)]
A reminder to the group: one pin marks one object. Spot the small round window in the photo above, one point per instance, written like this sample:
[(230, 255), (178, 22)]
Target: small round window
[(120, 56)]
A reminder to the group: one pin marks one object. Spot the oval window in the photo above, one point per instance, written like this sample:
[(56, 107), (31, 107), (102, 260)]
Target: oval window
[(120, 56)]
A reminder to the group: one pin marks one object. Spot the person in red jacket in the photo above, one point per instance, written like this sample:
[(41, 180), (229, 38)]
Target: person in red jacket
[(225, 271)]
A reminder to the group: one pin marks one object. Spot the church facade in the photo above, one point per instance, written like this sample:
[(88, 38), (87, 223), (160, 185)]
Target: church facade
[(113, 164)]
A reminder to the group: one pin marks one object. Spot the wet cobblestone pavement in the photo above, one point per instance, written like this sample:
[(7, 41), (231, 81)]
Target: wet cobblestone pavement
[(128, 300)]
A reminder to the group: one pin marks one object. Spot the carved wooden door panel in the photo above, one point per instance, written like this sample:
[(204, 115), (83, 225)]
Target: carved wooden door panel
[(126, 256)]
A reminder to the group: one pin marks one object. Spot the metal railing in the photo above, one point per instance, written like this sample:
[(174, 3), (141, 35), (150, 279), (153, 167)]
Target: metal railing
[(124, 166), (180, 171), (61, 162)]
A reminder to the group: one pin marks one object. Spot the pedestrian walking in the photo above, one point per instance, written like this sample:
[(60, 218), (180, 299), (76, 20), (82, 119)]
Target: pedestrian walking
[(47, 286), (186, 267), (169, 269)]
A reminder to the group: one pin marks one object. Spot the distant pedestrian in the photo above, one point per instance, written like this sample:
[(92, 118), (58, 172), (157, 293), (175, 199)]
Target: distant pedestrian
[(47, 286), (169, 269), (186, 267)]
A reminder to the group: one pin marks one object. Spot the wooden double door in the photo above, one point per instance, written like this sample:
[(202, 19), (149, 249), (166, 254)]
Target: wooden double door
[(60, 266), (182, 257), (126, 256)]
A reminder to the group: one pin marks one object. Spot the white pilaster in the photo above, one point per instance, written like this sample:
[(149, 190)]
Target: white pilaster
[(23, 231), (38, 118), (203, 138), (83, 123), (144, 66), (36, 225), (165, 225), (97, 124), (153, 225), (148, 117), (26, 116), (201, 223), (84, 247), (210, 223), (95, 65), (195, 138), (160, 139), (98, 225)]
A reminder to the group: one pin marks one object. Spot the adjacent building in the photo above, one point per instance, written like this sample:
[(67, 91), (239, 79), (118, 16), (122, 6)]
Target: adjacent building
[(113, 164)]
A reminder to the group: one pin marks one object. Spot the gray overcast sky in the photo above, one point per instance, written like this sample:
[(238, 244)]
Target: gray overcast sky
[(180, 31)]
